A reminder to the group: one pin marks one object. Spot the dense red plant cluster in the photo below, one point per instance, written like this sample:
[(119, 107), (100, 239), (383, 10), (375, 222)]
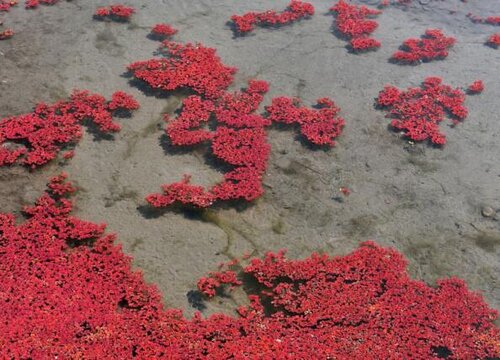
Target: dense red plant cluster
[(209, 285), (494, 41), (6, 34), (491, 20), (37, 137), (163, 31), (5, 5), (296, 10), (118, 12), (240, 140), (68, 292), (433, 45), (476, 87), (352, 22), (191, 66), (319, 126), (31, 4), (418, 111)]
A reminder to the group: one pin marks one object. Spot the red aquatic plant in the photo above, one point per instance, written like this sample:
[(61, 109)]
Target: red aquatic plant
[(419, 111), (163, 31), (319, 126), (494, 41), (215, 280), (236, 133), (31, 4), (118, 12), (476, 87), (433, 45), (6, 34), (240, 140), (352, 22), (191, 66), (5, 5), (68, 291), (36, 138), (296, 10)]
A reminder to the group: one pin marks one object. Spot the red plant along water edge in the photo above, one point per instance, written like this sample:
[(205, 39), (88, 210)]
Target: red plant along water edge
[(69, 292), (118, 12), (419, 111), (352, 22), (433, 45), (295, 11), (37, 137)]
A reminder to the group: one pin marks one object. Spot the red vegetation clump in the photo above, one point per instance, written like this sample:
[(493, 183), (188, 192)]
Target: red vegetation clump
[(319, 126), (419, 111), (352, 22), (37, 137), (491, 20), (433, 45), (209, 285), (5, 5), (296, 10), (68, 292), (117, 12), (236, 133), (6, 34), (240, 140), (163, 31), (191, 66), (494, 41), (476, 87), (31, 4)]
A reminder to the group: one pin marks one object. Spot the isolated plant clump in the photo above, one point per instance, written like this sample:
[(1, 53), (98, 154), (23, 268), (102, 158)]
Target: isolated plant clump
[(36, 138), (163, 31), (6, 34), (494, 41), (118, 12), (31, 4), (352, 22), (68, 291), (295, 11), (433, 45), (192, 66), (419, 111)]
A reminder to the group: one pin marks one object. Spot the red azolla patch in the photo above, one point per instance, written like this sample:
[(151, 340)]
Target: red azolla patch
[(419, 111), (118, 12), (237, 136), (295, 11), (163, 31), (433, 45), (36, 138), (319, 126), (494, 41), (191, 66), (476, 87), (240, 140), (5, 5), (31, 4), (353, 23), (6, 34), (67, 289)]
